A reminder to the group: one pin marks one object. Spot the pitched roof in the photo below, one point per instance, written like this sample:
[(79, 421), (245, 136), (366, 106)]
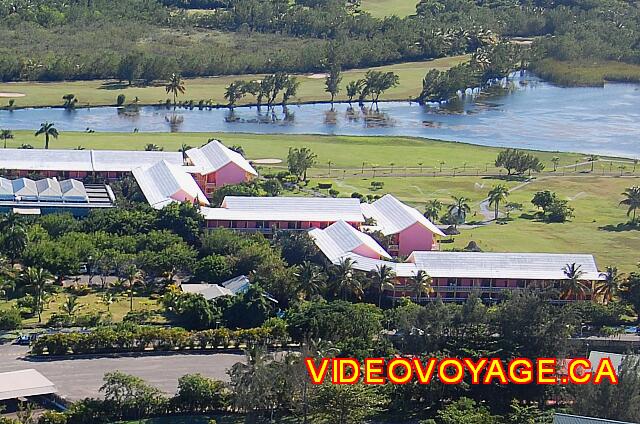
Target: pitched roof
[(215, 156), (575, 419), (362, 263), (392, 216), (6, 189), (73, 191), (24, 383), (208, 291), (49, 190), (163, 181), (304, 209), (525, 266), (24, 187), (127, 160), (238, 284), (340, 238)]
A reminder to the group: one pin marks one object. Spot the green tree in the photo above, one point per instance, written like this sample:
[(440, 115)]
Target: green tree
[(609, 287), (37, 280), (312, 280), (130, 396), (212, 269), (518, 161), (383, 279), (543, 200), (299, 160), (235, 91), (497, 195), (630, 291), (290, 88), (348, 404), (432, 210), (421, 284), (130, 67), (465, 411), (573, 285), (345, 280), (353, 89), (198, 394), (175, 86), (272, 186), (6, 135), (555, 160), (332, 81), (70, 101), (459, 209), (632, 201), (70, 306), (49, 130)]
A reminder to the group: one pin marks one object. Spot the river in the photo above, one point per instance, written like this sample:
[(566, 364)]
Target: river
[(529, 113)]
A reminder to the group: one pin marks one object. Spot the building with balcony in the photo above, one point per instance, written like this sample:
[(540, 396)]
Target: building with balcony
[(269, 214), (215, 165), (164, 183), (405, 227)]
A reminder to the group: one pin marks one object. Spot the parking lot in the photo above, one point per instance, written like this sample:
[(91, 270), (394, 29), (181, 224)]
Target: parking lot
[(77, 378)]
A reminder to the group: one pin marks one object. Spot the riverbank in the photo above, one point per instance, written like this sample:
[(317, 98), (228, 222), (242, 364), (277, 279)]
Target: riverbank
[(591, 74), (212, 89)]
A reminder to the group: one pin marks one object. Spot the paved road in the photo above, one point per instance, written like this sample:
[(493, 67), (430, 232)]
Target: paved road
[(80, 378)]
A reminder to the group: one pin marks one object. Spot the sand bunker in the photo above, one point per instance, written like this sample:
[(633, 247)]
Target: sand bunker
[(11, 95), (317, 76), (267, 161)]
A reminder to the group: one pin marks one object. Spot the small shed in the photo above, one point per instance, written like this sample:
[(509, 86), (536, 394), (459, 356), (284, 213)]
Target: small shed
[(24, 383)]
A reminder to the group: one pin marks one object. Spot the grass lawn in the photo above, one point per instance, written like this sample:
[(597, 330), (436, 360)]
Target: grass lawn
[(382, 8), (90, 303), (342, 151), (100, 92)]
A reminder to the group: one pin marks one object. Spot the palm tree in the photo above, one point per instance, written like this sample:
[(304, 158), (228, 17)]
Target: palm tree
[(312, 281), (382, 279), (632, 200), (37, 280), (497, 194), (6, 135), (610, 285), (345, 280), (70, 306), (555, 161), (15, 236), (573, 285), (133, 276), (421, 284), (49, 130), (175, 86), (432, 210), (459, 209), (592, 159), (108, 299), (183, 149)]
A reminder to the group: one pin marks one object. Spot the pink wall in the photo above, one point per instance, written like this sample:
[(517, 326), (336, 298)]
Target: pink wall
[(414, 238), (366, 251), (230, 174)]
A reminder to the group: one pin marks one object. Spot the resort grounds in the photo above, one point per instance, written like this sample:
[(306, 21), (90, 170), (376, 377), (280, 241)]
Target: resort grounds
[(418, 170)]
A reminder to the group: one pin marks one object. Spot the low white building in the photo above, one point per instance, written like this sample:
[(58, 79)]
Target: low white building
[(164, 183)]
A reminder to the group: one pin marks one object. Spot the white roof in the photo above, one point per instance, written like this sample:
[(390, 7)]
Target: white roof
[(24, 187), (214, 156), (24, 383), (73, 191), (238, 284), (46, 160), (340, 238), (83, 160), (522, 266), (208, 291), (576, 419), (362, 263), (162, 182), (127, 160), (6, 189), (304, 209), (49, 190), (392, 216)]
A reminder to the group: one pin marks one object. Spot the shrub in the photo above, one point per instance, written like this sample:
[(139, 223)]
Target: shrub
[(120, 99), (137, 317), (333, 192), (10, 319), (376, 185), (51, 417), (325, 186)]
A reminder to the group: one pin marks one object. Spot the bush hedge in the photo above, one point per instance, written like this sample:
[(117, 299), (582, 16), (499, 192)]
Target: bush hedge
[(130, 338)]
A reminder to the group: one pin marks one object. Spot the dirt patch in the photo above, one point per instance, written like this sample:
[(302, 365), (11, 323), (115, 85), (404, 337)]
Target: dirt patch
[(11, 95)]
